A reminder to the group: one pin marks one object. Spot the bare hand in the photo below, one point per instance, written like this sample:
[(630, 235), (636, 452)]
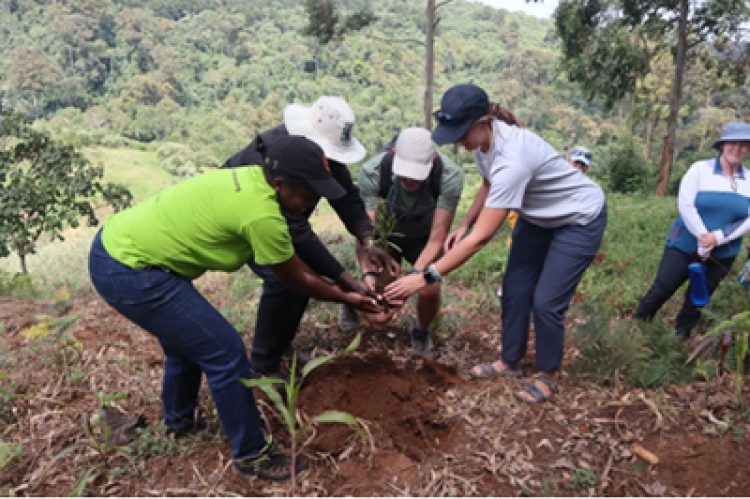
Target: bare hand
[(454, 237), (386, 315), (347, 282), (706, 243), (363, 303), (403, 287), (378, 258)]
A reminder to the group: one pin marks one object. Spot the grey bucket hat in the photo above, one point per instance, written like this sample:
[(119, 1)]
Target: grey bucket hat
[(735, 131)]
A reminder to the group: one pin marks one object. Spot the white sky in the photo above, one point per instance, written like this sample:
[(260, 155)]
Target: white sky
[(544, 9)]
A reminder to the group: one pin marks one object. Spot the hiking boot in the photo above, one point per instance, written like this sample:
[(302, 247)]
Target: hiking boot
[(193, 428), (269, 465), (421, 344), (348, 320)]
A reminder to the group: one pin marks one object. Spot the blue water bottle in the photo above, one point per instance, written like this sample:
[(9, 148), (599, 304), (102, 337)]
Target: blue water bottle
[(698, 284)]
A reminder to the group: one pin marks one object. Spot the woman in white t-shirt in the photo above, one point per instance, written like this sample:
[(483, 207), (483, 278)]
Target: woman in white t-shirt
[(562, 217)]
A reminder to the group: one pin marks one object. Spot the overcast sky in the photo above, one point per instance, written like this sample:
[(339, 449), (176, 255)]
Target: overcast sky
[(543, 9)]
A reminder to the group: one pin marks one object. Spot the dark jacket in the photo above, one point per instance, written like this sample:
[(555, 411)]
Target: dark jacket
[(350, 209)]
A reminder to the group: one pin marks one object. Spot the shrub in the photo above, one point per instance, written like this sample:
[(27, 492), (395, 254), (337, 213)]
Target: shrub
[(643, 355), (182, 161), (625, 167)]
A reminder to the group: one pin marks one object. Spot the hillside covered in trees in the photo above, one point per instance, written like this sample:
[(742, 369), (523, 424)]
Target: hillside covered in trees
[(210, 74)]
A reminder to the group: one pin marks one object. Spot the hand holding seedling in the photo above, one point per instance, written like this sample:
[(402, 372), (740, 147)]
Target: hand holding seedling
[(362, 302), (405, 286)]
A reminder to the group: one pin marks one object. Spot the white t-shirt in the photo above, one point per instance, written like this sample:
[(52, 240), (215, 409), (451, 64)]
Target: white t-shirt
[(527, 175)]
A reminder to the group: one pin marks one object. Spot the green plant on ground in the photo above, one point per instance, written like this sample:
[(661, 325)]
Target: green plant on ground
[(641, 354), (738, 325), (288, 408), (583, 478)]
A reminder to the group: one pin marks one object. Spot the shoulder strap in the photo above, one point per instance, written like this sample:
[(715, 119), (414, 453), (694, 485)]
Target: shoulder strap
[(386, 175), (436, 177)]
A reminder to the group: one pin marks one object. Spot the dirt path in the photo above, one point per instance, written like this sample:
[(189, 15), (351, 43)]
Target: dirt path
[(432, 431)]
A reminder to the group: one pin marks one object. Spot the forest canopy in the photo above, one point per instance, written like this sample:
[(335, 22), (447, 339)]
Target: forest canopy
[(211, 74)]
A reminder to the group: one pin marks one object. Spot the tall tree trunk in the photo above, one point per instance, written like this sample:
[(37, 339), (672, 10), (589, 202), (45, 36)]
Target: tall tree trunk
[(675, 100), (24, 269), (429, 59), (704, 131)]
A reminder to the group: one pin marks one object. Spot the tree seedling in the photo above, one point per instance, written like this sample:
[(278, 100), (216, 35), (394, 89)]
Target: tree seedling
[(288, 408)]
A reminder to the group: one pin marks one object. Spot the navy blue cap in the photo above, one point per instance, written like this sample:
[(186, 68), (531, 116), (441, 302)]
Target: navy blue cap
[(302, 158), (460, 107)]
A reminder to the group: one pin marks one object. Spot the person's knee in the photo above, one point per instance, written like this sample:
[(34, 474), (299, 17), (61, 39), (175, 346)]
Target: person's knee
[(226, 367), (549, 310)]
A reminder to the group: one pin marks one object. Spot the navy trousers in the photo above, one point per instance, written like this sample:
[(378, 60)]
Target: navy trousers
[(543, 271), (196, 339), (279, 315)]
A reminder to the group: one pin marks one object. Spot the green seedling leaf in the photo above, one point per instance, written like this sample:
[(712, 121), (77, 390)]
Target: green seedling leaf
[(268, 385), (6, 454), (88, 477), (316, 362), (340, 417)]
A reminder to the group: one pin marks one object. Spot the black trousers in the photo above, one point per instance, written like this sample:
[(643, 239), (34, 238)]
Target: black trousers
[(672, 273)]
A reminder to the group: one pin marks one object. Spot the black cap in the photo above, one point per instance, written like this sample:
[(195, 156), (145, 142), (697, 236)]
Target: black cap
[(299, 157), (460, 107)]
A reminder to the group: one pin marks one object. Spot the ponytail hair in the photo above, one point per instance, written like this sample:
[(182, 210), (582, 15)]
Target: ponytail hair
[(506, 115)]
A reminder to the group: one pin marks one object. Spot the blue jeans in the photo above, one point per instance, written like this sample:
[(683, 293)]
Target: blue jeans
[(279, 315), (196, 339), (672, 273), (543, 271)]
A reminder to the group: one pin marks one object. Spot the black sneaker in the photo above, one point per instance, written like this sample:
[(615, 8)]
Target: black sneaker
[(269, 465), (190, 430), (421, 344)]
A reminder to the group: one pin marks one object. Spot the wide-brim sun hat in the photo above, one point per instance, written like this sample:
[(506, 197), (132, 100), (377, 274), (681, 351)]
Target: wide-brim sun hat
[(328, 123), (414, 155), (460, 107), (735, 131)]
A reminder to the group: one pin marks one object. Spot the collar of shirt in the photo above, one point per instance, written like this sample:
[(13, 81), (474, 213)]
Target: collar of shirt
[(719, 171)]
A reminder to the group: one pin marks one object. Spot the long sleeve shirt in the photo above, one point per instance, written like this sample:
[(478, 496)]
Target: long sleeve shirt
[(350, 209), (709, 201)]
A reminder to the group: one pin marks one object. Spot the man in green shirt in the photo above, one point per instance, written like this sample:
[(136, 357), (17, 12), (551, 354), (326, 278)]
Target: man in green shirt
[(145, 258), (421, 188)]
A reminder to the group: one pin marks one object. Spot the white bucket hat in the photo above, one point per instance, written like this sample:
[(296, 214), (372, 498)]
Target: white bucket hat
[(415, 152), (328, 123)]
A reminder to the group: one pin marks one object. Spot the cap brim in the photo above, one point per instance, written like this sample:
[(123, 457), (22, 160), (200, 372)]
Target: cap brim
[(327, 188), (298, 122), (449, 134), (410, 169)]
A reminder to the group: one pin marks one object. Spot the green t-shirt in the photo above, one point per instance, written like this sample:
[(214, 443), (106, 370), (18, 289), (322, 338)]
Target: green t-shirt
[(451, 185), (218, 220)]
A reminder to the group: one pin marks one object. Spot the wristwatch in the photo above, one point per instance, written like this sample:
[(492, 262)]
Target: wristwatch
[(431, 274)]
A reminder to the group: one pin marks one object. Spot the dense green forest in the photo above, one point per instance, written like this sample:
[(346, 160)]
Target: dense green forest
[(210, 74)]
